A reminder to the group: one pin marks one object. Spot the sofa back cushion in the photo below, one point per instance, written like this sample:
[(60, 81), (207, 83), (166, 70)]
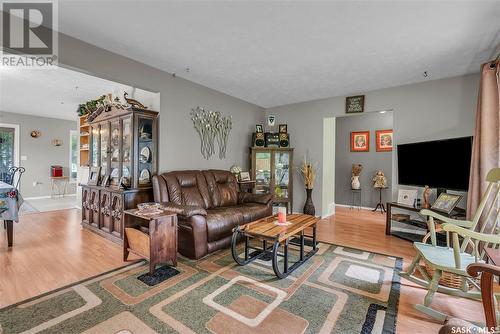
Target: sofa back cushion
[(183, 188), (222, 187)]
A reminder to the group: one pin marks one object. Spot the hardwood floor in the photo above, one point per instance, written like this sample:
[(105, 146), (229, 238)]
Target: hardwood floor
[(51, 250)]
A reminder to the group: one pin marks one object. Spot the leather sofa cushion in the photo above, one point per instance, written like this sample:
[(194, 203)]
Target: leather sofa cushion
[(221, 221), (254, 198), (188, 188), (253, 211), (222, 186), (184, 211)]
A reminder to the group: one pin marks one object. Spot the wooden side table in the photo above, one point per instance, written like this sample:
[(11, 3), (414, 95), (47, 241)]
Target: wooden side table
[(151, 237), (246, 186)]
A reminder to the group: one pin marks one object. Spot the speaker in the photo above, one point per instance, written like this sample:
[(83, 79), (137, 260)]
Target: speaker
[(284, 140), (258, 139)]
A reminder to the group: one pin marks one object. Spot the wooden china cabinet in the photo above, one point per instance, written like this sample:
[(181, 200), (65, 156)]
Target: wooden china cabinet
[(272, 170), (123, 143)]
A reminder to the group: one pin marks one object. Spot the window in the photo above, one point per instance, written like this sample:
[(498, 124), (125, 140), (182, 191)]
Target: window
[(73, 154)]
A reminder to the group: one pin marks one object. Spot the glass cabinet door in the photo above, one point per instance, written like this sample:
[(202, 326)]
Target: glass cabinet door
[(146, 149), (95, 145), (104, 149), (262, 172), (281, 174), (115, 153), (127, 150)]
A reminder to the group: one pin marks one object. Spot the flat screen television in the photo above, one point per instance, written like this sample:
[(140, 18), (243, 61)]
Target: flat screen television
[(443, 164)]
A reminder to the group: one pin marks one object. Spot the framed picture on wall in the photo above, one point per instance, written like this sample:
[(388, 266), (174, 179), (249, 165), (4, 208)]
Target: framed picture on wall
[(360, 141), (354, 104), (383, 139)]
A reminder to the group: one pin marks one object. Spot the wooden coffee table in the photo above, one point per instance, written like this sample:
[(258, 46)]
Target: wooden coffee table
[(266, 230)]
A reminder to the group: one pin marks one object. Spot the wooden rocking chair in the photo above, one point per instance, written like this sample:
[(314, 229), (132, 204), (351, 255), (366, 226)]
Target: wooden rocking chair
[(445, 268)]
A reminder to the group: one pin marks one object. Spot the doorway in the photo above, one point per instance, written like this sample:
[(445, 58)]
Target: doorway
[(9, 148), (356, 143)]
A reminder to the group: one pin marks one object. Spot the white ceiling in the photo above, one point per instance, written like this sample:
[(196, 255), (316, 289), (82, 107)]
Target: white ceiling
[(273, 53), (56, 93)]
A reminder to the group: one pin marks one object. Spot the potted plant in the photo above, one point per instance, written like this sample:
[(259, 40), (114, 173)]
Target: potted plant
[(308, 172)]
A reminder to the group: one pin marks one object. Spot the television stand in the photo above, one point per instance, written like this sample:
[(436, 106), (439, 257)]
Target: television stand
[(457, 213)]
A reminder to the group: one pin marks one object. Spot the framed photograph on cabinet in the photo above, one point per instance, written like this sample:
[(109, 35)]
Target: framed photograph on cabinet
[(105, 181), (244, 176), (360, 141), (94, 176), (407, 196), (446, 202), (384, 140)]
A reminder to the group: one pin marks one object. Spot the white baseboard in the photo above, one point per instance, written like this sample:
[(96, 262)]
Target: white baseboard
[(354, 207), (45, 197), (330, 211)]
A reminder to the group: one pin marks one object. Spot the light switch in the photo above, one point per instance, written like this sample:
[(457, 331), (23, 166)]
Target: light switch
[(24, 157)]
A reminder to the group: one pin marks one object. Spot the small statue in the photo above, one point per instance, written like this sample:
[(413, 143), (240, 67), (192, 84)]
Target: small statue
[(426, 195), (134, 103), (379, 180)]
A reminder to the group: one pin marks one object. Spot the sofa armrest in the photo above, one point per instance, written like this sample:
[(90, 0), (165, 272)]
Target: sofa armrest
[(254, 198), (184, 211)]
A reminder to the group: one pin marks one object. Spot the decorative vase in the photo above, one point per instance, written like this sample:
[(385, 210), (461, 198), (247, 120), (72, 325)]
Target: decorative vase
[(355, 182), (309, 205)]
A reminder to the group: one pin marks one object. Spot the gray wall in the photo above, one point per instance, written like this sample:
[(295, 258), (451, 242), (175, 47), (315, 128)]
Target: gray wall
[(40, 153), (179, 143), (424, 111), (371, 161)]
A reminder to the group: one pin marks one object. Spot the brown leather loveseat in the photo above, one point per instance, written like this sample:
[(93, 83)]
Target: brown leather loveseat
[(209, 206)]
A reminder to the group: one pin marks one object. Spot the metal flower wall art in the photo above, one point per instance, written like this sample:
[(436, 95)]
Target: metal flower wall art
[(213, 128)]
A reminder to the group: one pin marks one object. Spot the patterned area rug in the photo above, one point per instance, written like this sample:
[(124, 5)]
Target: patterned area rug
[(339, 290)]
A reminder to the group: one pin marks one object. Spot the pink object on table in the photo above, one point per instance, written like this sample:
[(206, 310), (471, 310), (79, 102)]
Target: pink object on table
[(282, 215)]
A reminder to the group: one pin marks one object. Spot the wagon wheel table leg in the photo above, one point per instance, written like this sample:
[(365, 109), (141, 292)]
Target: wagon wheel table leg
[(275, 255), (234, 251)]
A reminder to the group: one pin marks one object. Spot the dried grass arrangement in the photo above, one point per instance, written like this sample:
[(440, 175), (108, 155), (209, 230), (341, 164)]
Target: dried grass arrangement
[(356, 169), (308, 172)]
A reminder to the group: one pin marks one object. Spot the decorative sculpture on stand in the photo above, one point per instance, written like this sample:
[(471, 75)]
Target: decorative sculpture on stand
[(211, 127), (380, 182)]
